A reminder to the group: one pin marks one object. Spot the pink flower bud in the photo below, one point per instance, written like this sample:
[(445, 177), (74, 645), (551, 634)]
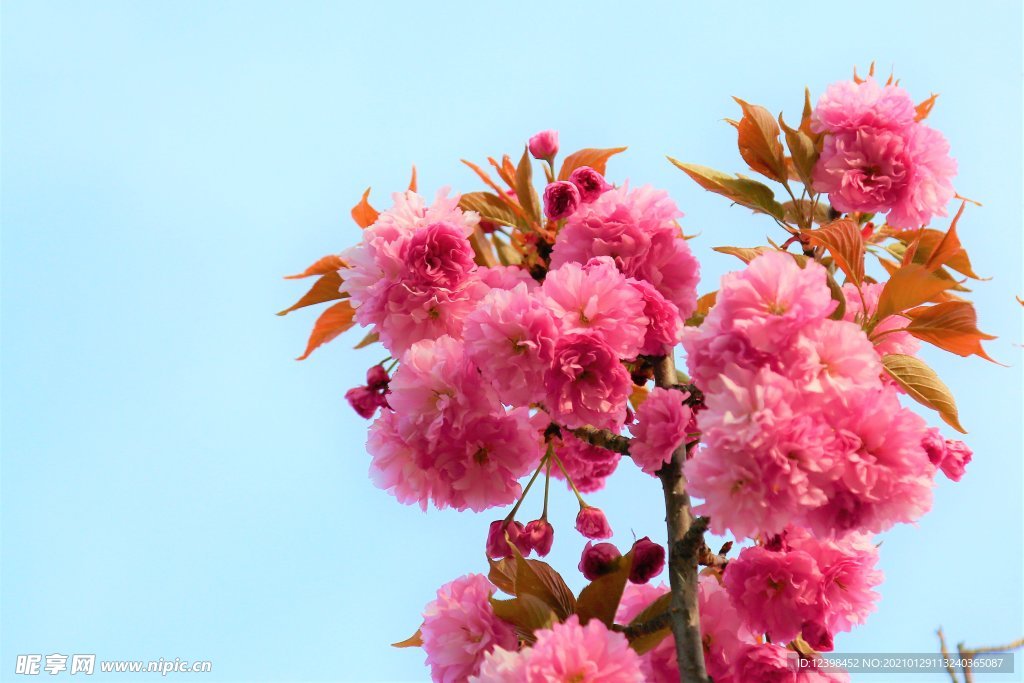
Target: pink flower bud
[(364, 401), (497, 545), (561, 199), (817, 635), (544, 145), (958, 454), (592, 523), (598, 560), (589, 182), (648, 560), (540, 535), (377, 378)]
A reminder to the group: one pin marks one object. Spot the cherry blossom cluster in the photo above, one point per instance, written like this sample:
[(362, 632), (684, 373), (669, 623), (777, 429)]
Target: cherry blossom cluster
[(878, 157), (525, 330)]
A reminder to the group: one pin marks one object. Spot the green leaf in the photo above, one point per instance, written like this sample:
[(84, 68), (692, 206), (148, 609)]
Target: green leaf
[(600, 599), (744, 191), (924, 386)]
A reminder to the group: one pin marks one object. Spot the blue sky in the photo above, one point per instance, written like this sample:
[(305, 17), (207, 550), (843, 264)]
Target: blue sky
[(173, 484)]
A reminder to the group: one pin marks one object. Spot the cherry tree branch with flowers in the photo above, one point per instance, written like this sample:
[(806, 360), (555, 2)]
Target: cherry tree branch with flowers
[(528, 331)]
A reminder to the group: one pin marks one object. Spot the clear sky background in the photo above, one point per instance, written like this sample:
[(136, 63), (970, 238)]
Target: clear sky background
[(175, 485)]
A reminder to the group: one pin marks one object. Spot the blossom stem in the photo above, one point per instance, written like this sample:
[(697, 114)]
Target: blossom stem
[(568, 478), (547, 487), (682, 546), (529, 484)]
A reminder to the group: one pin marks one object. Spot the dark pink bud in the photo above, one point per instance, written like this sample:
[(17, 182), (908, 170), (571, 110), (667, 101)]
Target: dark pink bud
[(648, 560), (540, 535), (364, 401), (497, 545), (589, 182), (958, 454), (598, 560), (377, 378), (817, 636), (561, 198), (592, 523), (544, 145)]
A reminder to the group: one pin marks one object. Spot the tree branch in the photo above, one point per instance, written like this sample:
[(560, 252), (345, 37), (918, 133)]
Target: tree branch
[(603, 439), (945, 655), (683, 546)]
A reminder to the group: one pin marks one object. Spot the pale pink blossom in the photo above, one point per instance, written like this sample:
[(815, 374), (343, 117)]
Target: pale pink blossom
[(723, 631), (659, 664), (511, 338), (848, 105), (834, 357), (460, 628), (595, 297), (930, 186), (586, 384), (505, 277), (570, 653), (866, 169), (662, 426), (503, 666)]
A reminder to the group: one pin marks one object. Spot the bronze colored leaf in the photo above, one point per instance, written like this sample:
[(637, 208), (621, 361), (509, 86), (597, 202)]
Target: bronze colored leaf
[(363, 214), (325, 265), (950, 325), (332, 322), (327, 288), (648, 641), (924, 386), (843, 240), (415, 640), (909, 286), (525, 193), (758, 140), (802, 150), (596, 159), (744, 191), (600, 599)]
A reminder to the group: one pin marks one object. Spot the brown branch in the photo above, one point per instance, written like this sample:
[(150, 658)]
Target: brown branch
[(989, 650), (603, 439), (945, 655), (682, 560), (968, 676), (652, 625)]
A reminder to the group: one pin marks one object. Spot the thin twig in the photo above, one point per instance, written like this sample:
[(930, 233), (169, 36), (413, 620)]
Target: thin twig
[(945, 655), (603, 439)]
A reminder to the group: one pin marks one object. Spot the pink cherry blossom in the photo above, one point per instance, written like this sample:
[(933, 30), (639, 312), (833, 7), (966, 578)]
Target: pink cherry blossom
[(659, 664), (866, 170), (570, 653), (723, 631), (775, 592), (589, 182), (540, 535), (662, 425), (848, 105), (648, 560), (946, 454), (598, 559), (500, 533), (503, 666), (438, 255), (861, 304), (588, 466), (586, 383), (511, 338), (459, 628), (561, 198), (595, 297), (544, 145), (664, 324), (637, 229), (766, 663), (930, 186), (592, 523)]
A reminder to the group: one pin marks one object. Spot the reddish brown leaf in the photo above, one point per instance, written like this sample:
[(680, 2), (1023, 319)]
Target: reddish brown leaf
[(537, 578), (704, 304), (925, 108), (843, 240), (327, 288), (948, 246), (371, 338), (527, 613), (758, 140), (596, 159), (321, 267), (332, 322), (503, 574), (926, 241), (909, 286), (803, 152), (525, 193), (600, 599), (745, 191), (952, 326), (745, 254), (362, 213), (412, 182), (648, 641)]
